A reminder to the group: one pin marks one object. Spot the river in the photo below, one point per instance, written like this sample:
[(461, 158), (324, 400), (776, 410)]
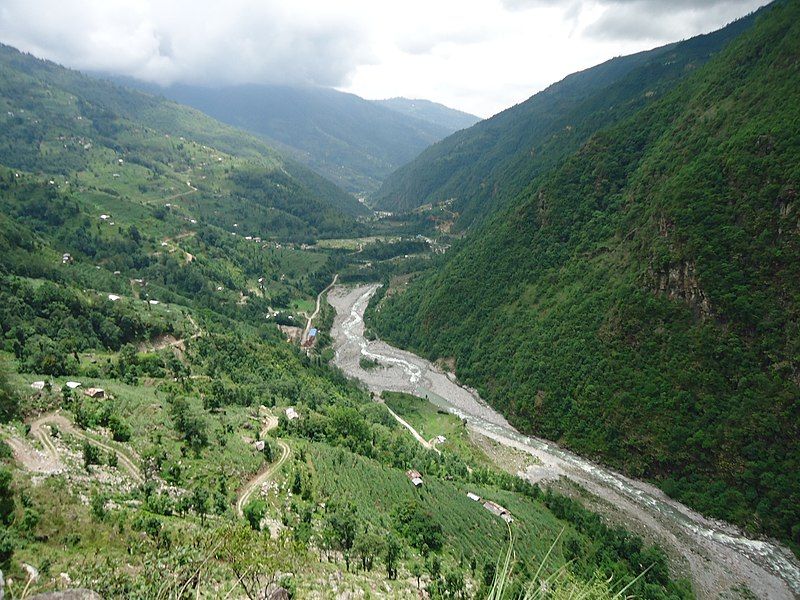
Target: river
[(718, 558)]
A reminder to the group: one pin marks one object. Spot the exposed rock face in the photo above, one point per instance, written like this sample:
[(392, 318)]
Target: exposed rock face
[(679, 282), (76, 594)]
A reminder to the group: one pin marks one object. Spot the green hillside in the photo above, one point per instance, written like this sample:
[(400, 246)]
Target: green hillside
[(60, 122), (482, 167), (154, 268), (432, 112), (351, 141), (639, 303)]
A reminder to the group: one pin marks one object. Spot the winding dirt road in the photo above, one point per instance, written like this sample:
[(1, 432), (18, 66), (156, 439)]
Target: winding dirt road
[(263, 476), (40, 433), (718, 558)]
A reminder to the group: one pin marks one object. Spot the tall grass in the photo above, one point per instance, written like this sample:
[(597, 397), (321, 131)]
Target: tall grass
[(561, 584)]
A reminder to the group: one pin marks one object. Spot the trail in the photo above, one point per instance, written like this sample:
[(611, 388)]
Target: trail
[(173, 247), (60, 421), (317, 309), (409, 426), (719, 559), (32, 459), (168, 341), (262, 477)]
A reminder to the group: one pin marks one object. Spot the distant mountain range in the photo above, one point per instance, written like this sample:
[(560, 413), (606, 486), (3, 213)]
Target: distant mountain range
[(432, 112), (354, 142)]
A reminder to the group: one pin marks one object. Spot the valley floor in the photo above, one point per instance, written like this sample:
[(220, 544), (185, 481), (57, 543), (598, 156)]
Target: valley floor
[(720, 561)]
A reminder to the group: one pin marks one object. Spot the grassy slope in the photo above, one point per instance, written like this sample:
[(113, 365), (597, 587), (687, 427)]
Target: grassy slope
[(485, 166), (640, 303)]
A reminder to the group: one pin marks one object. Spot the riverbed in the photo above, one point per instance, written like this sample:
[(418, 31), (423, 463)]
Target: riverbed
[(720, 559)]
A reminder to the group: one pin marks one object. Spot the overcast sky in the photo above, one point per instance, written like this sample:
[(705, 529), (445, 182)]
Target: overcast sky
[(477, 55)]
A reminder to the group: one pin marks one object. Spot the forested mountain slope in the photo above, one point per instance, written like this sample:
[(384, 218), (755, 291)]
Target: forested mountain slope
[(58, 121), (640, 303), (482, 167), (354, 142), (432, 112)]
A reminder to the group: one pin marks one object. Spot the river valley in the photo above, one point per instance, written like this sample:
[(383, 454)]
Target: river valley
[(719, 559)]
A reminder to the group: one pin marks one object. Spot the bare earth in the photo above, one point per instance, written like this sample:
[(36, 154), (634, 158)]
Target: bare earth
[(718, 556)]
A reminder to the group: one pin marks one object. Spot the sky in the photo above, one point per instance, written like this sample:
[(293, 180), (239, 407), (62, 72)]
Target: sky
[(480, 56)]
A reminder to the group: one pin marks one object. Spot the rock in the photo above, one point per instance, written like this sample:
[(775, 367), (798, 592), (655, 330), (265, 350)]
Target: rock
[(279, 594), (76, 594)]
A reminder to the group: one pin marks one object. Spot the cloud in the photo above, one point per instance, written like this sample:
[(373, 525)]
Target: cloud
[(235, 41), (659, 20), (479, 55)]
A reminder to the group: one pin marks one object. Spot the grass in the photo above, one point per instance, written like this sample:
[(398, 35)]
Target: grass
[(430, 422), (376, 490)]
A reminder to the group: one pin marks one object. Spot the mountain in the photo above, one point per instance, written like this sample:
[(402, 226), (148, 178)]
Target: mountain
[(351, 141), (147, 291), (480, 168), (640, 301), (432, 112), (58, 121)]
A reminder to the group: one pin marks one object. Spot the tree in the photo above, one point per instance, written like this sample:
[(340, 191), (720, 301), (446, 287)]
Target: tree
[(343, 523), (367, 546), (200, 502), (9, 401), (6, 497), (254, 512), (391, 556), (91, 455), (416, 571)]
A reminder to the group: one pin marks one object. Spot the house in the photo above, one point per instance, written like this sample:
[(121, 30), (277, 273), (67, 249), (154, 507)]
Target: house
[(66, 258), (440, 439), (38, 385), (291, 414), (259, 445), (474, 497), (415, 477), (95, 392), (312, 333), (73, 384), (500, 511)]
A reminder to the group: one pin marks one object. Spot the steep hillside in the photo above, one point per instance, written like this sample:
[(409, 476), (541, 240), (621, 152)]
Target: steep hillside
[(481, 168), (432, 112), (640, 303), (58, 121), (352, 141)]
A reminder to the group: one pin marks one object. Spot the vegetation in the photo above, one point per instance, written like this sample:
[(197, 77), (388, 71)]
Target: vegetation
[(638, 303), (480, 169), (351, 141)]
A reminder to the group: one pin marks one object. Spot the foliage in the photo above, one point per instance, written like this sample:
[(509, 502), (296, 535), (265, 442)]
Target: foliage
[(480, 169), (639, 302)]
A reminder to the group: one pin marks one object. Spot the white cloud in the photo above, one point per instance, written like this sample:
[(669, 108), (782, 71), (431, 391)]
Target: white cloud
[(477, 55)]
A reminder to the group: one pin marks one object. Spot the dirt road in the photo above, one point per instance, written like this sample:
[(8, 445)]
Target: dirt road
[(264, 475), (718, 558), (314, 315), (40, 433), (425, 443)]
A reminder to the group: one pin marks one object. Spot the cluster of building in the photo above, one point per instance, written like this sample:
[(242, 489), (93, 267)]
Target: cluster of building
[(492, 507)]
